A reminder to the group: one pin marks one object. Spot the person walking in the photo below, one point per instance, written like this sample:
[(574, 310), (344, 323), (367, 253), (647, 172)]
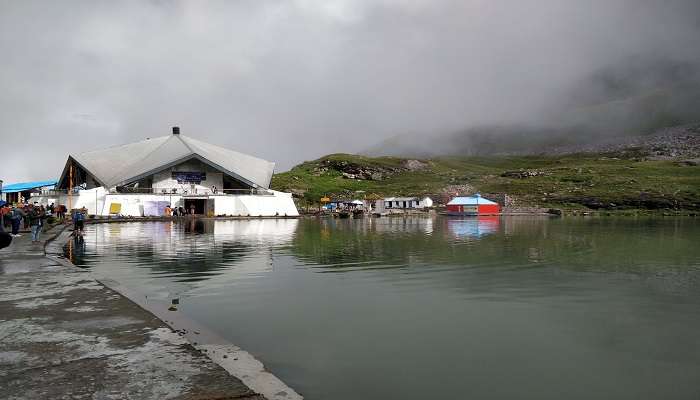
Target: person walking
[(16, 220), (78, 221)]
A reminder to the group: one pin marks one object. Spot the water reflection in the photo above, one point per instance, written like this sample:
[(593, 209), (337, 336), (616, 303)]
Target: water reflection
[(417, 308), (75, 248), (196, 225), (475, 227), (199, 249), (186, 253)]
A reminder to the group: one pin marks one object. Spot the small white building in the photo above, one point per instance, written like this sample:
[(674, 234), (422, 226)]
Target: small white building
[(142, 178), (400, 204)]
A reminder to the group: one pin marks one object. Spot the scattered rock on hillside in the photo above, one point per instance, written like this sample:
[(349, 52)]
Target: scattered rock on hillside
[(351, 170), (319, 171), (448, 192), (522, 174), (415, 165)]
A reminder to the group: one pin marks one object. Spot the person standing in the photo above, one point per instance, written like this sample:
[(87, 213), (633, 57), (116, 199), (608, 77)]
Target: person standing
[(5, 212), (42, 212), (35, 223), (5, 238), (26, 209)]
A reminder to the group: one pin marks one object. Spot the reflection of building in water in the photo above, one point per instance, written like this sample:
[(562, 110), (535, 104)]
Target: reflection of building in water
[(195, 249), (409, 224), (473, 227), (270, 231), (143, 178)]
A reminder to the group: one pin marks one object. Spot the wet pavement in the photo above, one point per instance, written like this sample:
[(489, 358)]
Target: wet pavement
[(64, 335)]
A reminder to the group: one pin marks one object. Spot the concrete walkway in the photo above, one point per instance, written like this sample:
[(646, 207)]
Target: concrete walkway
[(63, 335)]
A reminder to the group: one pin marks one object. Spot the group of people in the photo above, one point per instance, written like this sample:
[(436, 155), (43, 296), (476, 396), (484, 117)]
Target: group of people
[(178, 211), (32, 216)]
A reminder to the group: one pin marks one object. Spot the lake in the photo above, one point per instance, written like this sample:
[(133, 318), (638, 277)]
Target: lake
[(424, 308)]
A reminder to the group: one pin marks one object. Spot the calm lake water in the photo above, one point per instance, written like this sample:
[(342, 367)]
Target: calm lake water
[(426, 308)]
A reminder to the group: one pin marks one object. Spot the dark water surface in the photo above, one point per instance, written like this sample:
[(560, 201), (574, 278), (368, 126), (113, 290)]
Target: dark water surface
[(509, 308)]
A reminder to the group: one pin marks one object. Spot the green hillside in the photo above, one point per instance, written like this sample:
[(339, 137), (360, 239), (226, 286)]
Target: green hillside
[(584, 181)]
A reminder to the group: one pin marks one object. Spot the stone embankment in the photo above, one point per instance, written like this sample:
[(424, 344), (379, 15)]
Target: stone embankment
[(65, 335)]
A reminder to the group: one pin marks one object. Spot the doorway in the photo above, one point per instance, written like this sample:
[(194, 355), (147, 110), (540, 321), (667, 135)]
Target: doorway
[(200, 205)]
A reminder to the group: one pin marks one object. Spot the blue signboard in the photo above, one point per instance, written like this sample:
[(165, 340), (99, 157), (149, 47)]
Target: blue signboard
[(189, 177)]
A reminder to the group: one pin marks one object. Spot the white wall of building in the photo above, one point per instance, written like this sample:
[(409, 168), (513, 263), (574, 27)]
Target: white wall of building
[(228, 205), (91, 199), (390, 204), (98, 202), (279, 204)]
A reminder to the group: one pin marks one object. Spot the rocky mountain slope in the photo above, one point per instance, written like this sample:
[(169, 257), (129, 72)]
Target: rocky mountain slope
[(654, 172)]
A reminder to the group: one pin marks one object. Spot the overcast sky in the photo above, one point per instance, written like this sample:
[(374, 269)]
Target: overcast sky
[(293, 80)]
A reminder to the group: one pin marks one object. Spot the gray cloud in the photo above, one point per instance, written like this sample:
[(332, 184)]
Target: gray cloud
[(292, 80)]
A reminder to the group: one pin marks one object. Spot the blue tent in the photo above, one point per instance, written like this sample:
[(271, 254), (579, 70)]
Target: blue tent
[(22, 186)]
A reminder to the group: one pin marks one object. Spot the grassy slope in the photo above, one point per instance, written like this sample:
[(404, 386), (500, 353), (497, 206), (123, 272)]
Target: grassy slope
[(575, 181)]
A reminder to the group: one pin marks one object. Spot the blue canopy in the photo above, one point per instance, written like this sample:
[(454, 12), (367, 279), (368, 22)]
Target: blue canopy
[(470, 201), (22, 186)]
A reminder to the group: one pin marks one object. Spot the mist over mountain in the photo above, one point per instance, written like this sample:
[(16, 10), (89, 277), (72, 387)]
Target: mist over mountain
[(633, 98), (293, 80)]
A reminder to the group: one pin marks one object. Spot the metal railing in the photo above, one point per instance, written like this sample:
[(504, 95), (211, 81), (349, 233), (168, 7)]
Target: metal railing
[(168, 191), (194, 192), (51, 192)]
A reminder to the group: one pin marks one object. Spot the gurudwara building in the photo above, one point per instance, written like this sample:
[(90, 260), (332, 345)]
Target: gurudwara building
[(142, 178)]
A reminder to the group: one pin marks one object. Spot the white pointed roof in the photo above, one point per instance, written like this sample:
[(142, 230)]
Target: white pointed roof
[(119, 165)]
